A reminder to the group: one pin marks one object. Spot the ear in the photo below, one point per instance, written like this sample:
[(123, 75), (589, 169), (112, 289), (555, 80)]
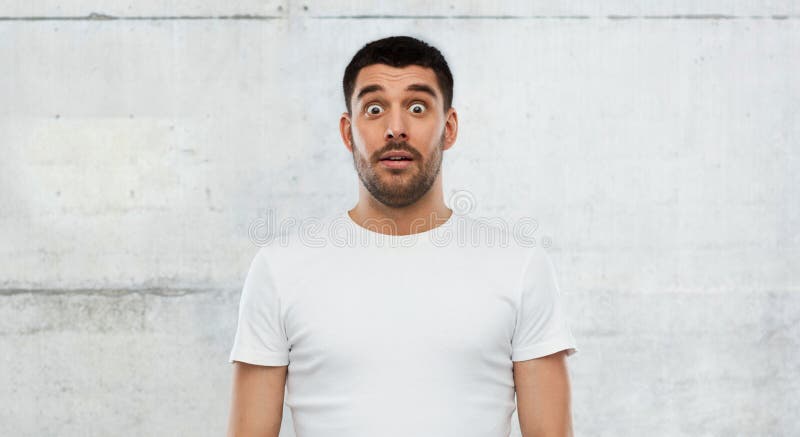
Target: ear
[(344, 130), (450, 128)]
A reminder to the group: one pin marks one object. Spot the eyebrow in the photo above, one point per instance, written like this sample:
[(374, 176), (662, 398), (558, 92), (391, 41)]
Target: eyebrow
[(413, 87)]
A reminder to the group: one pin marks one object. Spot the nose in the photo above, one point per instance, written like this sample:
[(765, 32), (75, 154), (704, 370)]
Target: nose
[(396, 129)]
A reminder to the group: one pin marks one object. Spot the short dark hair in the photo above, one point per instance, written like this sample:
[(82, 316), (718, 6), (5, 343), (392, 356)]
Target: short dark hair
[(399, 51)]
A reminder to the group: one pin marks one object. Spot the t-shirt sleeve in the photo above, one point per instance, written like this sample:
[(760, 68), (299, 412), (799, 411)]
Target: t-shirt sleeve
[(541, 328), (260, 335)]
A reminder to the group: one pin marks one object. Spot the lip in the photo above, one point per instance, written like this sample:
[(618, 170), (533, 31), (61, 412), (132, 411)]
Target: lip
[(386, 162), (396, 164), (400, 153)]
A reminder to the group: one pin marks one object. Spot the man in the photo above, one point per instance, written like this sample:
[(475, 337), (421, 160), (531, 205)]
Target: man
[(417, 339)]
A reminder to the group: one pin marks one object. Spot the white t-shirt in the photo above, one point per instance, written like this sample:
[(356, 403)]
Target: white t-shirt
[(400, 335)]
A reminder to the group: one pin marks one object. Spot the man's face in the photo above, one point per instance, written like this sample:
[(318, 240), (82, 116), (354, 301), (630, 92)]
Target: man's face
[(397, 109)]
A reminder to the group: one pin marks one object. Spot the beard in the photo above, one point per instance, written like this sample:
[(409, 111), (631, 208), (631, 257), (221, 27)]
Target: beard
[(398, 188)]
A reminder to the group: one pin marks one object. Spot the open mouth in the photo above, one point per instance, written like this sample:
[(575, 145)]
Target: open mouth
[(398, 159), (397, 162)]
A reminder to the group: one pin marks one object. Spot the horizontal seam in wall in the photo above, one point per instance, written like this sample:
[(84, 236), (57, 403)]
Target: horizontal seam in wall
[(112, 292), (105, 17)]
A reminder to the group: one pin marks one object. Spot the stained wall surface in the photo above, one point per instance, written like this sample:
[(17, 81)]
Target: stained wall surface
[(657, 147)]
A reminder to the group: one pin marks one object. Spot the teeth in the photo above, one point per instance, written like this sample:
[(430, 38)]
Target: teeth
[(397, 158)]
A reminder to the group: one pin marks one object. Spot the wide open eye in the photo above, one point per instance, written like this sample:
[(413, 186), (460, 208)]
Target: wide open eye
[(421, 107), (370, 110)]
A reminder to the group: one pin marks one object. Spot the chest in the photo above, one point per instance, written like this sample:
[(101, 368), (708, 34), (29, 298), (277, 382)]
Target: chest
[(350, 315)]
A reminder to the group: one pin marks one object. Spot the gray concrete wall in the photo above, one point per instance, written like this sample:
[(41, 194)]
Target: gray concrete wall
[(656, 145)]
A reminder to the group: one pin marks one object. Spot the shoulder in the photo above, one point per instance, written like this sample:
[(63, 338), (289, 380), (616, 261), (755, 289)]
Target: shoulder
[(300, 241), (493, 233)]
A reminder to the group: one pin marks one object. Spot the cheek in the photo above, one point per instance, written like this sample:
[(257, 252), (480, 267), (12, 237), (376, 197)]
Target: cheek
[(362, 135), (433, 129), (367, 140)]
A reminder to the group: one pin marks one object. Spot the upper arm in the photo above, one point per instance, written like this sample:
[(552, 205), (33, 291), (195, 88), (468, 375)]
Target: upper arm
[(541, 325), (257, 400), (260, 333), (543, 396)]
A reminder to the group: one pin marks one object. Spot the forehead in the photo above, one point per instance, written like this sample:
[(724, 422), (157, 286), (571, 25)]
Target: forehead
[(395, 79)]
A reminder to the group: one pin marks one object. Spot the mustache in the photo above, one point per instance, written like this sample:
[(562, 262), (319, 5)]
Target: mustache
[(397, 146)]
